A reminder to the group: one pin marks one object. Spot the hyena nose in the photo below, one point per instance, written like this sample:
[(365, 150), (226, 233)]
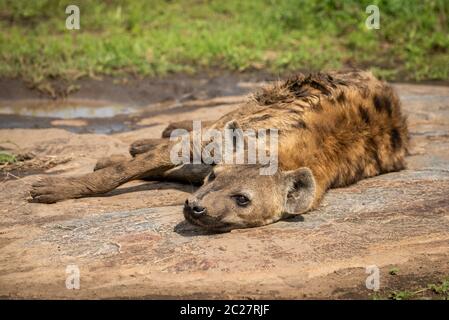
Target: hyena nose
[(194, 208), (199, 210)]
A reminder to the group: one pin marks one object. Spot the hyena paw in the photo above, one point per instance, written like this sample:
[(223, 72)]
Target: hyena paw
[(54, 189)]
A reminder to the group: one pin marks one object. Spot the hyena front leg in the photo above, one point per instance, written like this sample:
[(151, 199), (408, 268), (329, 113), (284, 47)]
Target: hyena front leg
[(186, 173), (152, 163)]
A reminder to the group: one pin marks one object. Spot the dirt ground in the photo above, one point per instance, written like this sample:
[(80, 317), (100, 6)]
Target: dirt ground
[(134, 243)]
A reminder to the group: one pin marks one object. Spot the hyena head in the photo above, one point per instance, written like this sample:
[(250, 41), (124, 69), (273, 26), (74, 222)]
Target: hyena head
[(237, 196)]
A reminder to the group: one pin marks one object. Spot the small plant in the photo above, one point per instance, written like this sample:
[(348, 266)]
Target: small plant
[(401, 295), (393, 271), (377, 296), (441, 288), (6, 158)]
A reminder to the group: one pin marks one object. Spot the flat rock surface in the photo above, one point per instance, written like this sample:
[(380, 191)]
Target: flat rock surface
[(134, 243)]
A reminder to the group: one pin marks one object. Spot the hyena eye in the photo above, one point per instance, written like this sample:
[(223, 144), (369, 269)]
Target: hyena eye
[(241, 200)]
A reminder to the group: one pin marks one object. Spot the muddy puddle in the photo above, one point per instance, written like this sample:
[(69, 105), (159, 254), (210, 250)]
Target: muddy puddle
[(104, 107), (75, 115), (65, 109)]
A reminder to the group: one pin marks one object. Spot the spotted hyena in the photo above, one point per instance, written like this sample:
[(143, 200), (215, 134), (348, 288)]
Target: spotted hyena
[(333, 130)]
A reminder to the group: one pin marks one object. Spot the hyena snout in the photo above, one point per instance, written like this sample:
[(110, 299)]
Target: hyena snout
[(194, 208)]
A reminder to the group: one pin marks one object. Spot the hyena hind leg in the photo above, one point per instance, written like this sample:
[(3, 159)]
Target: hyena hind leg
[(144, 145), (186, 125), (110, 161)]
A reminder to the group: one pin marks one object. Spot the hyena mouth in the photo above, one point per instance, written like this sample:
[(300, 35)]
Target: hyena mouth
[(208, 223)]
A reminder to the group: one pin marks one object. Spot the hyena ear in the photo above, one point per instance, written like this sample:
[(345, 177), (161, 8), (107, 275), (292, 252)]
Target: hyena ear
[(234, 133), (232, 125), (301, 190)]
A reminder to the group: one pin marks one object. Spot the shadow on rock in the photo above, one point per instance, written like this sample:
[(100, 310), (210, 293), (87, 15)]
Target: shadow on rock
[(294, 218), (150, 186), (186, 229)]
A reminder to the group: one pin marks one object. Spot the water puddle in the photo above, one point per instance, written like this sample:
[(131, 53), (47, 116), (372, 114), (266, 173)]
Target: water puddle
[(75, 115), (68, 109), (104, 107)]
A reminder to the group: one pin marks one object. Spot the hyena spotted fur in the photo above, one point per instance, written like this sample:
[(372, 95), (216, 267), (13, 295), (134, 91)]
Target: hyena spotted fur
[(334, 129)]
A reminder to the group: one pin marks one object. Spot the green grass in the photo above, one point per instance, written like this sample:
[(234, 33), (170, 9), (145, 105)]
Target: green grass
[(439, 291), (393, 271), (441, 288), (401, 295), (6, 158), (156, 37)]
